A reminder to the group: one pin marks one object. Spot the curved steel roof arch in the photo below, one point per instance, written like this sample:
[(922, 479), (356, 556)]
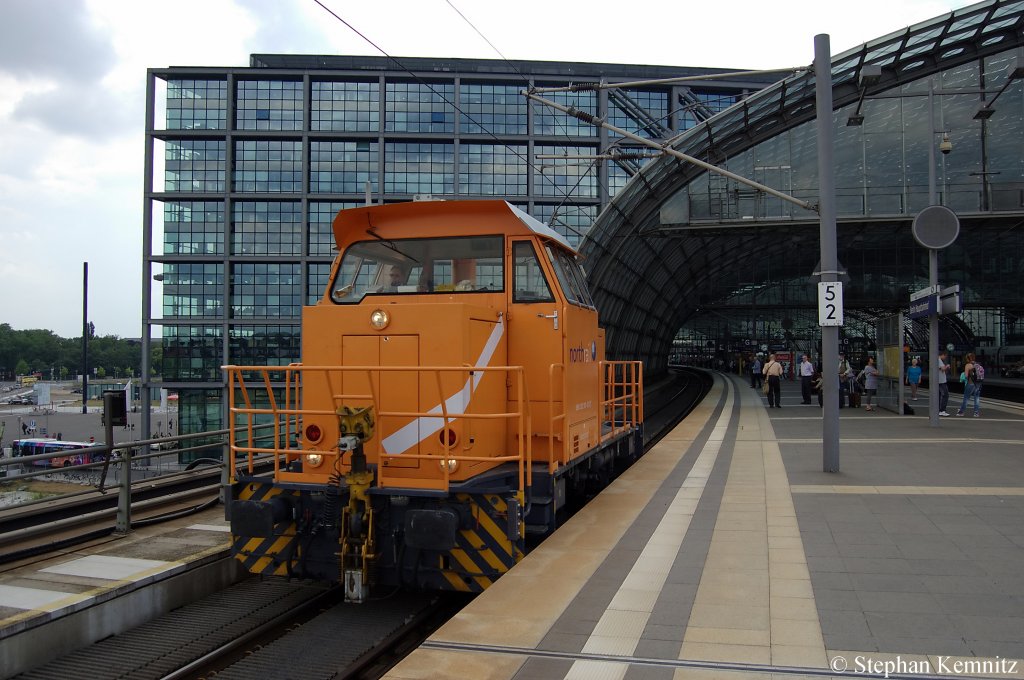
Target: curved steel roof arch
[(627, 257)]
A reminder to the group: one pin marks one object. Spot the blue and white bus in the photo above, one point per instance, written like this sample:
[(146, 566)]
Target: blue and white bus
[(41, 445)]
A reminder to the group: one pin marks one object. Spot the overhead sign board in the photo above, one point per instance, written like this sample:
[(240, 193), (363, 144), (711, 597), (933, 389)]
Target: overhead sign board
[(830, 303), (950, 300), (922, 307), (929, 301)]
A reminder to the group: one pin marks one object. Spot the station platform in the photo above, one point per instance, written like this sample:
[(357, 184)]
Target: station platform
[(54, 604), (726, 552)]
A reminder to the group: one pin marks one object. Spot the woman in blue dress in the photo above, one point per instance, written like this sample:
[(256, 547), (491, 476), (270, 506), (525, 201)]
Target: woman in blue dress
[(914, 378)]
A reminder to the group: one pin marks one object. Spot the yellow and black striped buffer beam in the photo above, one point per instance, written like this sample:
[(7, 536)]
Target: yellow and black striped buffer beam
[(484, 551), (268, 555)]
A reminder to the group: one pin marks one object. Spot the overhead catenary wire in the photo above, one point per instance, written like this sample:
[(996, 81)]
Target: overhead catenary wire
[(582, 87), (561, 125), (441, 96), (586, 117), (589, 86)]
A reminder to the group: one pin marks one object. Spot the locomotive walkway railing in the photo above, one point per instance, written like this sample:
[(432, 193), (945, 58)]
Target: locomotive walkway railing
[(276, 394), (621, 404)]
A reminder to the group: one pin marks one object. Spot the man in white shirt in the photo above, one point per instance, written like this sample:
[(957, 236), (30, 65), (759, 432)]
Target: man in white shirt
[(806, 378)]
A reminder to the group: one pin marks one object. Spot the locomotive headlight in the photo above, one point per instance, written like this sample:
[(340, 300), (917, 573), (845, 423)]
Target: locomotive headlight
[(315, 459), (451, 464), (379, 319)]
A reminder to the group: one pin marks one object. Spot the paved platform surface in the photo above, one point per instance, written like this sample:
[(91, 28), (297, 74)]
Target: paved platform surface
[(918, 545), (727, 553)]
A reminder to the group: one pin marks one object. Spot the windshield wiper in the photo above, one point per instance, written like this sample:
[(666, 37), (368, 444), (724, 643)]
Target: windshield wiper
[(390, 245)]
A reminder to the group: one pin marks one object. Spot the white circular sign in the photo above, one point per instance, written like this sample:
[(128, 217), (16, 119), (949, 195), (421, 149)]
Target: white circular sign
[(935, 227), (949, 347)]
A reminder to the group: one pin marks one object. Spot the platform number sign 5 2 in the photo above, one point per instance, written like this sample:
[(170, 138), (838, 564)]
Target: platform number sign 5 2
[(830, 303)]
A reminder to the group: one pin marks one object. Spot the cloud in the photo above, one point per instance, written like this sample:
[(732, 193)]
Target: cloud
[(57, 56), (80, 110), (283, 26), (52, 40)]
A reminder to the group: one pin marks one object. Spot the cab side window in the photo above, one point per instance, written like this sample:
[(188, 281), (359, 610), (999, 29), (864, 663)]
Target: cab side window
[(570, 277), (528, 282)]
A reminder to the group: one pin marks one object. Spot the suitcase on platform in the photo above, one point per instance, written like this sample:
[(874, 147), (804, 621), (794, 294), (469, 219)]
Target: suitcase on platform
[(854, 399)]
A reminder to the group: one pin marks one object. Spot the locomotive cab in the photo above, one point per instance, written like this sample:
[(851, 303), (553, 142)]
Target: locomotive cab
[(463, 336)]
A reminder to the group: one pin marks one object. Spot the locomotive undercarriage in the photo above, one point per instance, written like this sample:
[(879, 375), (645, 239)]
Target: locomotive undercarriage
[(422, 540), (555, 496), (462, 540)]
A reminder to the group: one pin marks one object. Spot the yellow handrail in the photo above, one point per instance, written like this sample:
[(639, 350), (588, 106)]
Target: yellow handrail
[(287, 416), (624, 395), (564, 434)]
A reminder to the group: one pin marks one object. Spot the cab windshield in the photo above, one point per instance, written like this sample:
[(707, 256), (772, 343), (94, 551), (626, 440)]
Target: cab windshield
[(471, 264)]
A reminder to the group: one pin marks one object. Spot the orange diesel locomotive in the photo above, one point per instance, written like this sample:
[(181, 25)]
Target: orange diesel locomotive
[(453, 396)]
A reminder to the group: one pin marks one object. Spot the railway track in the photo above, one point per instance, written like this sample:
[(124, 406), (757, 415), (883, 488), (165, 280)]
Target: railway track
[(256, 628), (60, 522), (56, 523)]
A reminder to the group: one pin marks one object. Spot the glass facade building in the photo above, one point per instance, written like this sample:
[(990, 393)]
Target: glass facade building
[(246, 168)]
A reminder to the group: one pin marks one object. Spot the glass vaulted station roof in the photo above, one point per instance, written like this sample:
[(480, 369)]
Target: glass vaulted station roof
[(678, 244)]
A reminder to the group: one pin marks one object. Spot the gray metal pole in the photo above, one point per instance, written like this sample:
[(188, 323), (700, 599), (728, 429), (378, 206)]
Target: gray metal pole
[(829, 257), (933, 275), (147, 262), (124, 495), (85, 337)]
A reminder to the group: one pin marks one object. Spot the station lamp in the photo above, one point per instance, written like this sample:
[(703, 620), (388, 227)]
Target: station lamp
[(985, 109), (869, 75)]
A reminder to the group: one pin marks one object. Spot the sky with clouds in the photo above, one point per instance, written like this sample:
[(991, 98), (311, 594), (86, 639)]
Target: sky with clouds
[(72, 74)]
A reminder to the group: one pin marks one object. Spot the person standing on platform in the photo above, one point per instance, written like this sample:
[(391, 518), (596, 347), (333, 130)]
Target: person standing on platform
[(914, 378), (979, 378), (755, 373), (970, 387), (870, 376), (806, 379), (773, 372), (844, 378), (943, 385)]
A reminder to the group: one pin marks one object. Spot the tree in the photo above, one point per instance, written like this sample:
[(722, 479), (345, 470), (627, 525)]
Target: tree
[(22, 352), (101, 372)]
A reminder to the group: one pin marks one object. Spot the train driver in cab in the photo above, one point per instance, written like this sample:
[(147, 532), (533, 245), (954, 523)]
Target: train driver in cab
[(395, 278)]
